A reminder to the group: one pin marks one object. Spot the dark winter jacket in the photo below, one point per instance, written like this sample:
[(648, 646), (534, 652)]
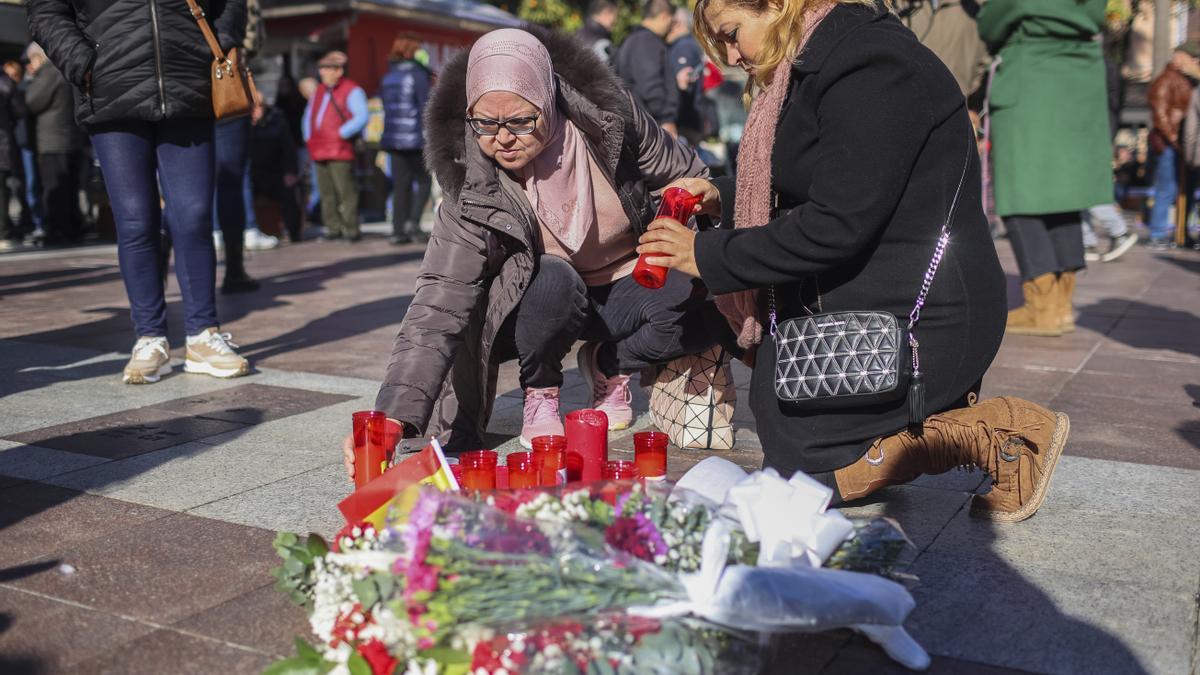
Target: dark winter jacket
[(135, 59), (8, 146), (645, 66), (404, 90), (598, 39), (870, 148), (24, 126), (480, 257), (49, 99)]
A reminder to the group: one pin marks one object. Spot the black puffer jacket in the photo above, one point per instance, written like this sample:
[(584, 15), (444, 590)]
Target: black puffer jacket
[(147, 59)]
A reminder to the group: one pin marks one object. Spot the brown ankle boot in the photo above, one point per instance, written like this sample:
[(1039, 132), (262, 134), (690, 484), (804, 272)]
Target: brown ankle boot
[(1066, 296), (1040, 313), (1017, 442)]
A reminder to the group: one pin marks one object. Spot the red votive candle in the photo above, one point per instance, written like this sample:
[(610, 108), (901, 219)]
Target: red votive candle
[(479, 469), (677, 204), (456, 468), (522, 472), (587, 443), (650, 454), (550, 459), (370, 456), (620, 470)]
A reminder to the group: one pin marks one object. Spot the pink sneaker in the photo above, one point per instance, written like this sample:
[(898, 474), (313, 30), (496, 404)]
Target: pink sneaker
[(610, 394), (541, 416)]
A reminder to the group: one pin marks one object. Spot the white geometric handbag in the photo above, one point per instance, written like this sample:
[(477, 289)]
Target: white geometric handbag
[(693, 401)]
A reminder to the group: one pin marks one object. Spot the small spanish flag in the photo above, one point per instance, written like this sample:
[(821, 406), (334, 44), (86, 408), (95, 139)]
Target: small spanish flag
[(372, 501)]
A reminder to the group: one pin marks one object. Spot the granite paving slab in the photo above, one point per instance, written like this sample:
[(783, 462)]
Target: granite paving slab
[(37, 520), (303, 503), (161, 571), (125, 434), (975, 605), (251, 403), (188, 475), (264, 619), (921, 512), (43, 635), (169, 651), (859, 656), (29, 462)]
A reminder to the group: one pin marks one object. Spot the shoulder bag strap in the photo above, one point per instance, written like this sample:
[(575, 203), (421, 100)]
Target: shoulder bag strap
[(938, 253), (209, 37)]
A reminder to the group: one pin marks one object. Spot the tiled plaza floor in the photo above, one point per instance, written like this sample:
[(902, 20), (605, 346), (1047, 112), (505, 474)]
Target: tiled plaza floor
[(135, 522)]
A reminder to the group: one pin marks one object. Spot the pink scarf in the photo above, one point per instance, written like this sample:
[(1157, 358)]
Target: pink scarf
[(753, 205), (558, 182)]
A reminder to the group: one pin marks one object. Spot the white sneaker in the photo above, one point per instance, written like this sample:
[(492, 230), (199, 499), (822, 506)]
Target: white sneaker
[(257, 241), (211, 353), (149, 361)]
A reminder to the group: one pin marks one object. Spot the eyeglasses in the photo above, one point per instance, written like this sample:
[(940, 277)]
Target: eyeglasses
[(517, 126)]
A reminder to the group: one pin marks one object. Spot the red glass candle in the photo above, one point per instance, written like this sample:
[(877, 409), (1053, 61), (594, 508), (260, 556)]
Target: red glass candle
[(370, 457), (620, 470), (456, 468), (677, 204), (522, 472), (650, 454), (587, 442), (479, 469), (550, 459)]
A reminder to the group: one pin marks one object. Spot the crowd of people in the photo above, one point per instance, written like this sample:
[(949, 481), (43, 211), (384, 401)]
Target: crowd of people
[(858, 185)]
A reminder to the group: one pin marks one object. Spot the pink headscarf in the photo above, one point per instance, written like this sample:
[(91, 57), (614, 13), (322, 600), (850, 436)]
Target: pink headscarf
[(752, 208), (558, 181)]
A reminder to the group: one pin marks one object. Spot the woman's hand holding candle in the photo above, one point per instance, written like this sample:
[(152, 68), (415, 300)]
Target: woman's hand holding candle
[(670, 244)]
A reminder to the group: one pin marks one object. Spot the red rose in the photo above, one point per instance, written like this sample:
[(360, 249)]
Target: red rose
[(381, 662)]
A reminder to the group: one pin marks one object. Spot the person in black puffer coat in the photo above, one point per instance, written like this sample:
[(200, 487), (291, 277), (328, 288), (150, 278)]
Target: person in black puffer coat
[(405, 90), (141, 70)]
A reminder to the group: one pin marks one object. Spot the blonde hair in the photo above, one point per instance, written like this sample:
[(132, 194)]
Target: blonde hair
[(781, 36)]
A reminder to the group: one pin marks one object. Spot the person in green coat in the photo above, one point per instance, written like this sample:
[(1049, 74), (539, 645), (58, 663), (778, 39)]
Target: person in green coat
[(1051, 151)]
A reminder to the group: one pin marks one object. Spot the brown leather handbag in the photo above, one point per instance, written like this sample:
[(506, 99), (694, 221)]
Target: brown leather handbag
[(233, 90)]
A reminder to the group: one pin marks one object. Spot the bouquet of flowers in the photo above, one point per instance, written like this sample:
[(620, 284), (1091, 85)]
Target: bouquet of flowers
[(611, 577)]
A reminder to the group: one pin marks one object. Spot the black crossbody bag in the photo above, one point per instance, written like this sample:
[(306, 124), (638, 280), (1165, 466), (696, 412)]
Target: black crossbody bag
[(833, 360)]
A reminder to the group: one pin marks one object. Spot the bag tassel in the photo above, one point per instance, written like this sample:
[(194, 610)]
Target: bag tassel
[(916, 401)]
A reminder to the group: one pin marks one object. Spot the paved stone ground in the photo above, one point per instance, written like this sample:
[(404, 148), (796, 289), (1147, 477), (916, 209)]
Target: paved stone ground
[(135, 522)]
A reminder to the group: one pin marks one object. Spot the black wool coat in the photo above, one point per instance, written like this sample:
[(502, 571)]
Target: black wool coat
[(135, 59), (870, 147)]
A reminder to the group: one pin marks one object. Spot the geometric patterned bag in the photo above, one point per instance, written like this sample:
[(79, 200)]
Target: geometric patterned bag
[(841, 359), (693, 400)]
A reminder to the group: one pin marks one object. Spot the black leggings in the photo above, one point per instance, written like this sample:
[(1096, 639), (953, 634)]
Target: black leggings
[(1046, 244)]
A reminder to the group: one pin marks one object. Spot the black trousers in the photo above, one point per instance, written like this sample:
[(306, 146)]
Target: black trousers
[(638, 326), (407, 168), (59, 174), (1046, 244)]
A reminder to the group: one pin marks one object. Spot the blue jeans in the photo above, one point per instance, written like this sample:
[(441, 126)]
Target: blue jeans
[(1166, 189), (33, 187), (136, 158)]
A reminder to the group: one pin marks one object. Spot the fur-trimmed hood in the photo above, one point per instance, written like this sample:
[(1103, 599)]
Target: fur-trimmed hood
[(447, 133)]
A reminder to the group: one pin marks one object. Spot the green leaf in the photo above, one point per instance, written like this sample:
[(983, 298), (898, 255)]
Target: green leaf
[(367, 592), (294, 566), (306, 650), (316, 545), (446, 656), (358, 665), (293, 666), (285, 540)]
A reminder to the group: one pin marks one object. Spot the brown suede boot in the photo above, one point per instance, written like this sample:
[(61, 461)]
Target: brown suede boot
[(1066, 296), (1040, 313), (1017, 442)]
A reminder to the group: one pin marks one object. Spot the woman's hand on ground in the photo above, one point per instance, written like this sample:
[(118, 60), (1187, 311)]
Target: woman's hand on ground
[(710, 198), (670, 245), (348, 455)]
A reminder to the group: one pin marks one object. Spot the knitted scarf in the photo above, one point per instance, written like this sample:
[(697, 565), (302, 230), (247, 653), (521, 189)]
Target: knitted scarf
[(752, 207)]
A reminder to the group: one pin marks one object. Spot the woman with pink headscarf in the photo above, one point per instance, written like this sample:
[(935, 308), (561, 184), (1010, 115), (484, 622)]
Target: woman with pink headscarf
[(549, 170)]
